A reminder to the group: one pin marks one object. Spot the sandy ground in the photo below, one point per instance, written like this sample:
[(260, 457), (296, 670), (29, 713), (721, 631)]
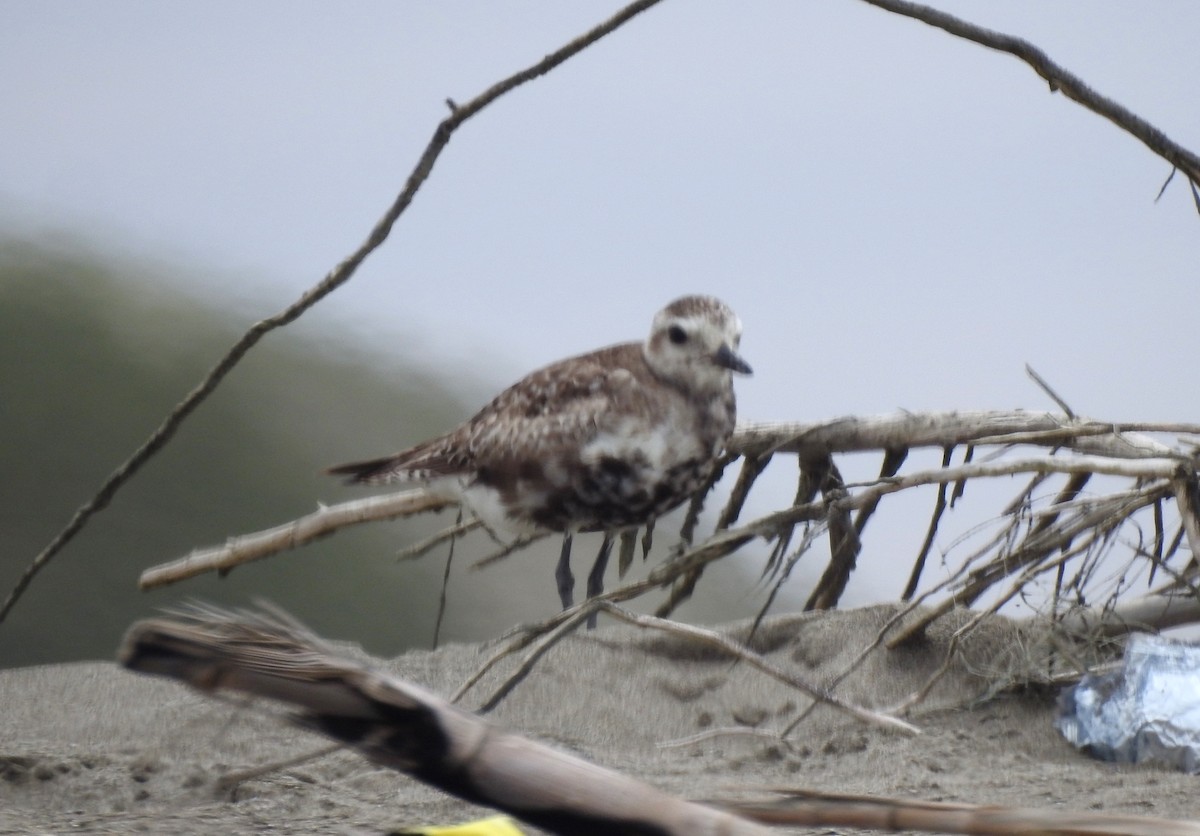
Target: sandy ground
[(91, 748)]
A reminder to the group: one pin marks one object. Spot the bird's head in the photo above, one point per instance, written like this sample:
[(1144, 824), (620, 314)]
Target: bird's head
[(693, 343)]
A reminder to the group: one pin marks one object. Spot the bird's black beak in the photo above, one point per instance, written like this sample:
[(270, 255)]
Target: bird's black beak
[(727, 358)]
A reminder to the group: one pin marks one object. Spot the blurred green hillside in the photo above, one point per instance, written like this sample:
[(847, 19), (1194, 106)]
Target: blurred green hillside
[(94, 353)]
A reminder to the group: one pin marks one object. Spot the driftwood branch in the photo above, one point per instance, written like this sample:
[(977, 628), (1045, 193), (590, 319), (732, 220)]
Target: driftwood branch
[(338, 276), (1074, 526), (322, 522), (406, 728), (1151, 613), (1129, 452), (957, 427), (409, 729), (798, 806), (844, 544)]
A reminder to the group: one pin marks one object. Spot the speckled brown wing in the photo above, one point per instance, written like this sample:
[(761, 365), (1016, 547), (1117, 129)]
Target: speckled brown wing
[(545, 415), (557, 408)]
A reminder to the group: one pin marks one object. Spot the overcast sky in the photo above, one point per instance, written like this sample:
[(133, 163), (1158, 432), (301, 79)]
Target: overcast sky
[(902, 219)]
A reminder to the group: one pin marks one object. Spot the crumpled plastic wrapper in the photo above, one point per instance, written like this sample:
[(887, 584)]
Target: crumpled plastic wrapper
[(1148, 711)]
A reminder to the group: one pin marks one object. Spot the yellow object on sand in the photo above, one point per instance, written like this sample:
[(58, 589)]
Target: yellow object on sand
[(495, 826)]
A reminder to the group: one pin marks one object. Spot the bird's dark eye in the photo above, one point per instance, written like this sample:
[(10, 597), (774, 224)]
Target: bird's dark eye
[(677, 335)]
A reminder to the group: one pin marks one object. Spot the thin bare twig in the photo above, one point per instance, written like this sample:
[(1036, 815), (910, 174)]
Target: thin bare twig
[(893, 459), (579, 614), (960, 487), (785, 571), (755, 660), (1049, 390), (230, 780), (421, 547), (752, 468), (441, 610), (697, 634), (505, 550), (939, 508), (1060, 81), (844, 545)]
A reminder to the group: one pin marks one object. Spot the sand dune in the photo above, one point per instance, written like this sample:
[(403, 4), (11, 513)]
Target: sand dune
[(90, 747)]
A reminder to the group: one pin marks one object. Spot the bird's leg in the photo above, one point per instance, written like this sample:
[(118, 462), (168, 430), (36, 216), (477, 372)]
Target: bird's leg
[(595, 584), (566, 581)]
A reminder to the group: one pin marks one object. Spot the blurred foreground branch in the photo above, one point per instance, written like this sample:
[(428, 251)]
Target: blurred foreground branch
[(406, 728)]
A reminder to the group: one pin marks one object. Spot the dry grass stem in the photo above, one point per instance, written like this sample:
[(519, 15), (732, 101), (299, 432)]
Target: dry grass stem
[(423, 547)]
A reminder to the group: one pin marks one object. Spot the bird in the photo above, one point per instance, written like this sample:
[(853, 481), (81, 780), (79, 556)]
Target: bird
[(604, 441)]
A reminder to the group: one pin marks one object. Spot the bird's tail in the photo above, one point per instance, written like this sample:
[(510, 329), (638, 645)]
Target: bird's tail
[(370, 471), (420, 463)]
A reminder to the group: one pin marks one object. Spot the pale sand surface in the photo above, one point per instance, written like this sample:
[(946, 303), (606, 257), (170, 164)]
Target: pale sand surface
[(91, 748)]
